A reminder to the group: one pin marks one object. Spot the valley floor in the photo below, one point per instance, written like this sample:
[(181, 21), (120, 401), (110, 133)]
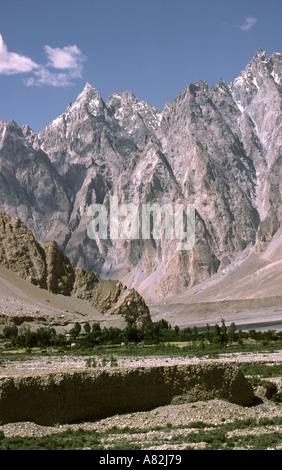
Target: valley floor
[(213, 424), (169, 427)]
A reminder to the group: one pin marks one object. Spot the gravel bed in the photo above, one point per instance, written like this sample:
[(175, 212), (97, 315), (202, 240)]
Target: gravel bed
[(213, 412), (64, 363)]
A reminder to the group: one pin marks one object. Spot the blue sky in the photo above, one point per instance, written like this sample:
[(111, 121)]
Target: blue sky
[(50, 49)]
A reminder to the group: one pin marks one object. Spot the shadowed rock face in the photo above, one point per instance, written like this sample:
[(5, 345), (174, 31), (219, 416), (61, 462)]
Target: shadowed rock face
[(44, 265), (218, 148), (47, 266), (60, 273), (50, 398), (20, 252)]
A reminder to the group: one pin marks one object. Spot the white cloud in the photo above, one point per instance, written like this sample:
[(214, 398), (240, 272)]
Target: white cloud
[(69, 57), (43, 76), (12, 63), (249, 23), (63, 66)]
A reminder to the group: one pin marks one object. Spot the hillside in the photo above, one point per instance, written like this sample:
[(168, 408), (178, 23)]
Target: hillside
[(38, 279)]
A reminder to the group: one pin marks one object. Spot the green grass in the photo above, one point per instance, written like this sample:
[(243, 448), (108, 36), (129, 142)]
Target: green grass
[(67, 440), (141, 350), (262, 370), (214, 437)]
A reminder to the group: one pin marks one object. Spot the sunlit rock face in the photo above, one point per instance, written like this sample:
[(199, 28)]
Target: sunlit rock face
[(217, 148)]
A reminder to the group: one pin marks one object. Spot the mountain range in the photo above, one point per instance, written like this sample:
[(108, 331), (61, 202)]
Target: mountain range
[(218, 148)]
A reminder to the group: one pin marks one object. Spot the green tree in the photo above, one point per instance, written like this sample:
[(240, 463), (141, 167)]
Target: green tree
[(240, 337), (208, 333), (27, 338), (223, 333), (195, 333), (45, 337), (87, 328), (232, 332), (216, 335), (96, 327), (10, 331), (74, 332)]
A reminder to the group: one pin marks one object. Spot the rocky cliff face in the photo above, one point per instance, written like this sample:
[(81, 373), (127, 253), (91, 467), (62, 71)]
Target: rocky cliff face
[(218, 148), (47, 266), (30, 186), (20, 252), (257, 93)]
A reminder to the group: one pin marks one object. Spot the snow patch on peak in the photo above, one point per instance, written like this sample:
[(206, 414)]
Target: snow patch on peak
[(4, 130), (262, 55), (89, 88), (130, 111), (255, 82), (90, 98), (3, 123), (57, 121), (88, 93), (276, 78), (238, 81)]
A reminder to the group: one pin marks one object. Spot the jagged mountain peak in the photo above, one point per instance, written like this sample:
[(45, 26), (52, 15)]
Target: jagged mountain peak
[(261, 54), (90, 98), (88, 103), (11, 124), (222, 87), (127, 93), (260, 67), (262, 63), (88, 87), (216, 147), (260, 78), (127, 97), (118, 99), (27, 130), (9, 130), (137, 117), (89, 91)]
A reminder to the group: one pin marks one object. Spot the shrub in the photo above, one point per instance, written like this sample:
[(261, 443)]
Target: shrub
[(10, 332)]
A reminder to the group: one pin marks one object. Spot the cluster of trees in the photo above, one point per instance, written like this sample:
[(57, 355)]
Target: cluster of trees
[(88, 336), (25, 338)]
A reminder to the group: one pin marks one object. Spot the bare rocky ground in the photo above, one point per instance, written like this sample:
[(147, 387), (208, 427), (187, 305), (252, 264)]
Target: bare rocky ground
[(165, 427), (173, 422), (67, 363), (213, 412), (22, 301)]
